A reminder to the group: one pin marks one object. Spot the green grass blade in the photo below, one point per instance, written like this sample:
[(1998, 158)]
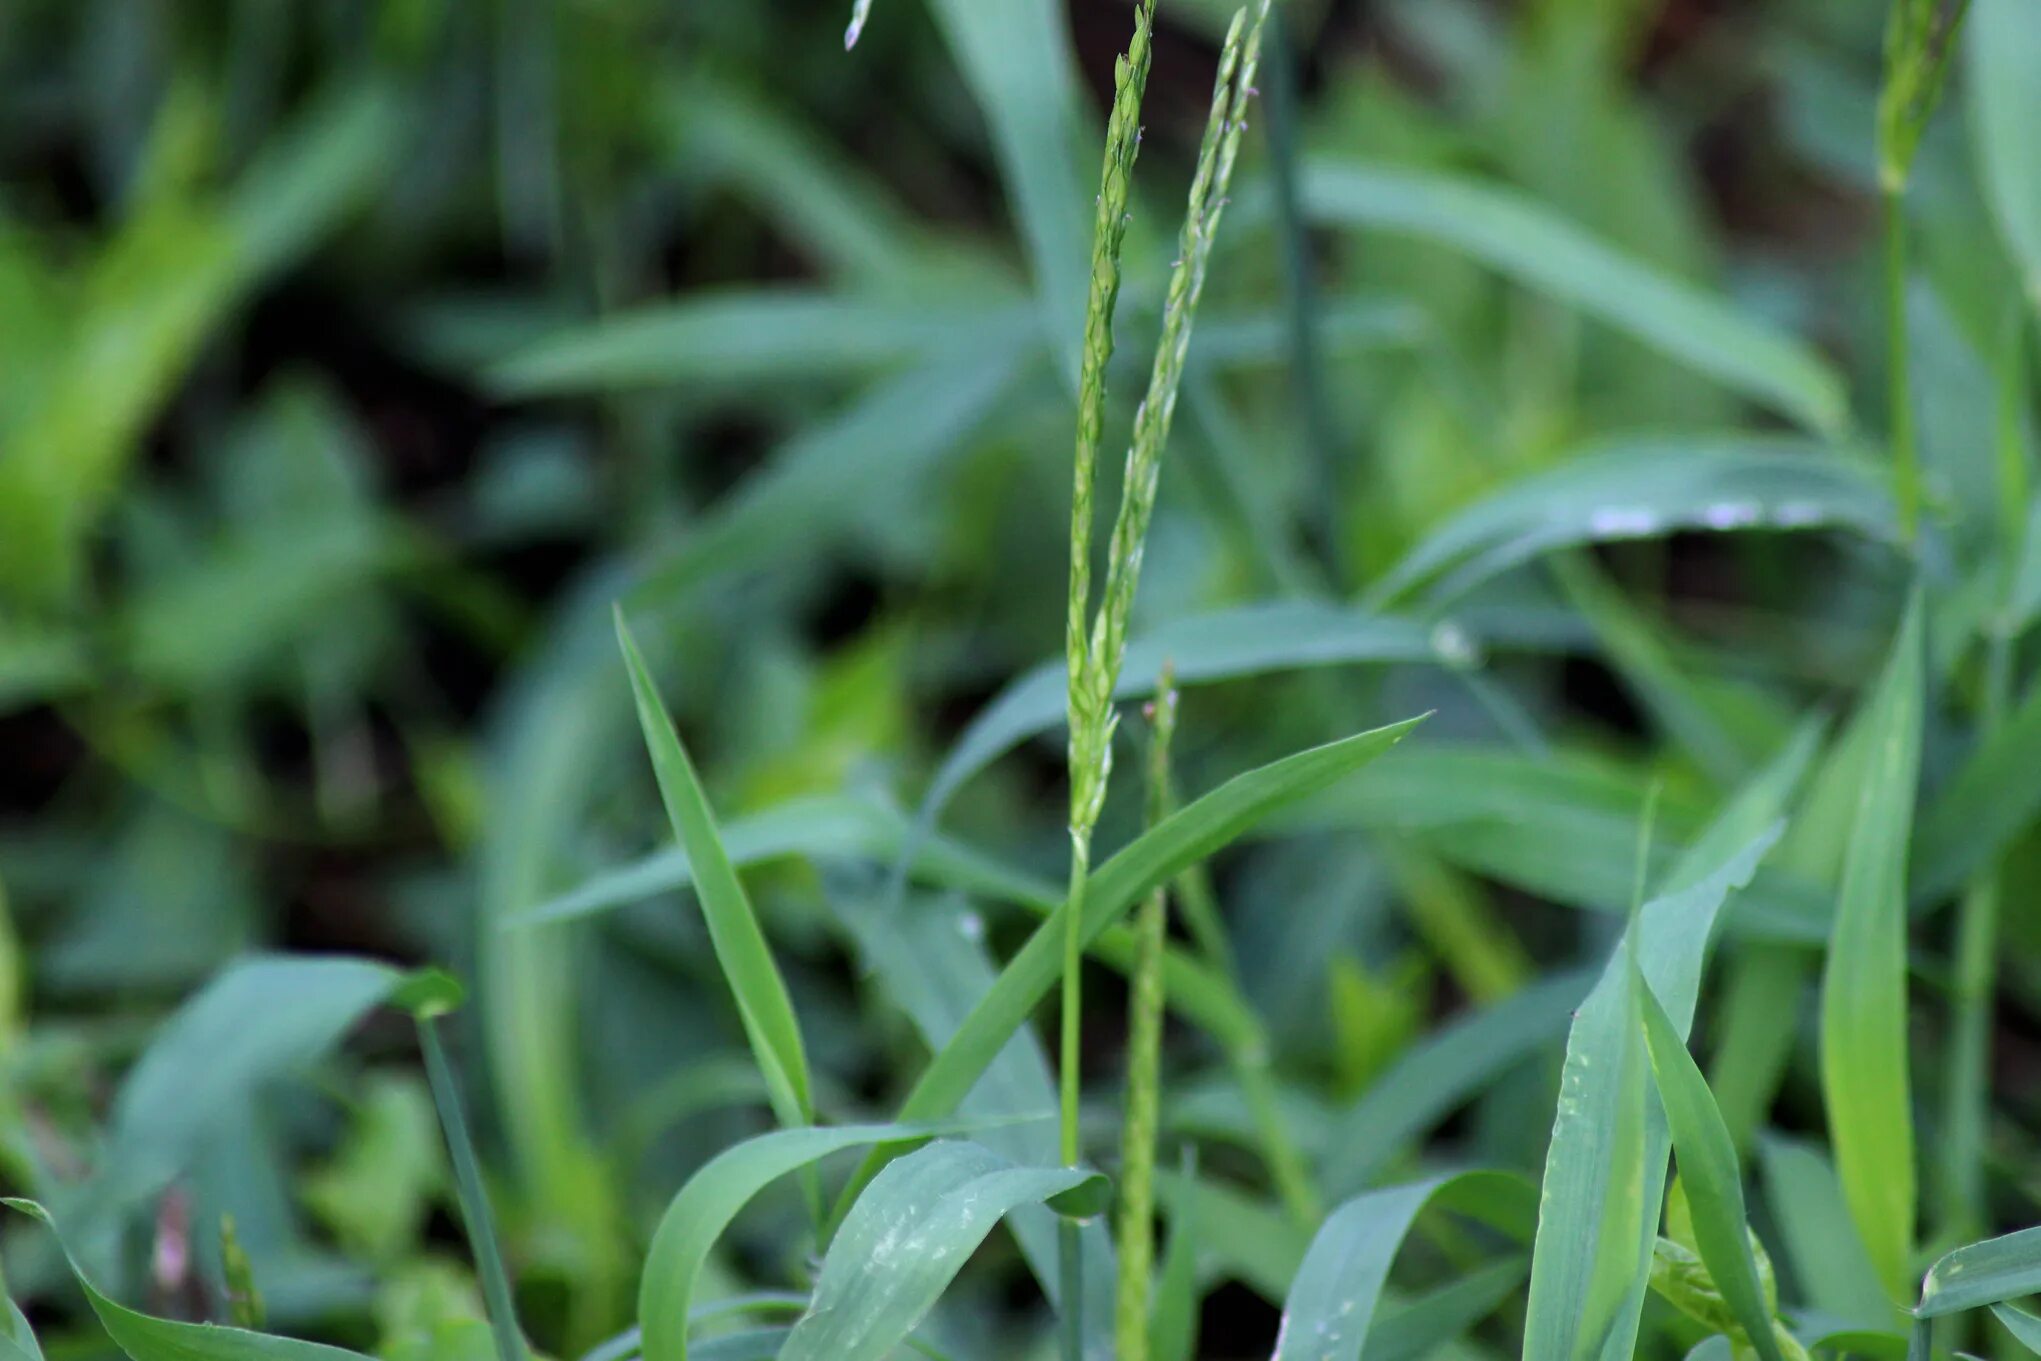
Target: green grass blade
[(814, 485), (1331, 1304), (1442, 1072), (1990, 1272), (1017, 59), (305, 180), (1246, 1238), (1173, 1321), (750, 337), (1822, 1244), (907, 1236), (2004, 48), (1863, 997), (1649, 487), (256, 1020), (146, 1338), (1988, 802), (816, 827), (2024, 1327), (706, 1204), (931, 964), (1605, 1167), (18, 1341), (474, 1197), (1420, 1328), (1184, 839), (1250, 640), (741, 948), (1710, 1172), (1535, 247)]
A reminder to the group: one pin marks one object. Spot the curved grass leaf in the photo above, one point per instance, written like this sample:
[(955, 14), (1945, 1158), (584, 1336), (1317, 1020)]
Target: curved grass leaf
[(747, 337), (1647, 488), (1990, 1272), (1442, 1072), (1710, 1173), (741, 949), (1537, 248), (704, 1207), (1822, 1244), (1605, 1167), (476, 1212), (2022, 1325), (818, 480), (1420, 1328), (146, 1338), (258, 1019), (824, 826), (17, 1340), (1863, 992), (1225, 645), (907, 1236), (1178, 842), (932, 964), (1017, 59), (2005, 107), (1331, 1304), (1983, 806)]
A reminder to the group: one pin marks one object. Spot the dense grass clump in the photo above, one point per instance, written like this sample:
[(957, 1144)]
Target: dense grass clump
[(543, 819)]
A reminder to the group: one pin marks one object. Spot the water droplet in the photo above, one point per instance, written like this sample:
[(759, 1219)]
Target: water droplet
[(1732, 515), (1454, 645), (1622, 522)]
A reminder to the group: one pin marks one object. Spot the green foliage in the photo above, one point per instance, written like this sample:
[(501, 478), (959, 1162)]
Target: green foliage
[(1601, 381)]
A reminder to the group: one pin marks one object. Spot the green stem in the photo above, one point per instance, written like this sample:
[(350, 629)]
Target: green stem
[(1144, 1063), (1070, 1247), (1906, 473), (510, 1345)]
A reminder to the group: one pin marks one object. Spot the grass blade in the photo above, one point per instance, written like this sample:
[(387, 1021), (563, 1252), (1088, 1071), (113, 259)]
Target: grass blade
[(1605, 1168), (474, 1197), (1184, 839), (741, 948), (1990, 1272), (906, 1237), (147, 1338), (933, 967), (1536, 248), (1331, 1304), (1863, 995), (2005, 107), (1983, 806), (1710, 1173), (1637, 488), (2021, 1324), (706, 1204), (817, 480), (817, 827), (1017, 60), (746, 338), (1230, 644), (1822, 1244), (1441, 1072)]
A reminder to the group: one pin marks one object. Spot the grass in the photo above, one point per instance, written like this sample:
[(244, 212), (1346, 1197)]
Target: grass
[(1571, 899)]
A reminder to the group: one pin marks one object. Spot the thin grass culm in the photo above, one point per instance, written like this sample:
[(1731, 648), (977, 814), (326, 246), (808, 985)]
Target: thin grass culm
[(1919, 38), (1136, 1238), (1095, 643)]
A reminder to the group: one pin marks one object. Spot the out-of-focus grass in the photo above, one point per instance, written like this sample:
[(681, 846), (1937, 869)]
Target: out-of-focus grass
[(1644, 392)]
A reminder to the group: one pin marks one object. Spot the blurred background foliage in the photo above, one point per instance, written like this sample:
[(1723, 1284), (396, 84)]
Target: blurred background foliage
[(354, 357)]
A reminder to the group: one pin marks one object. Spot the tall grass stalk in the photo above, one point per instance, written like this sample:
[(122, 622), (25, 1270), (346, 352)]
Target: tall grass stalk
[(1966, 1099), (1096, 643), (1144, 1061), (1920, 35)]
